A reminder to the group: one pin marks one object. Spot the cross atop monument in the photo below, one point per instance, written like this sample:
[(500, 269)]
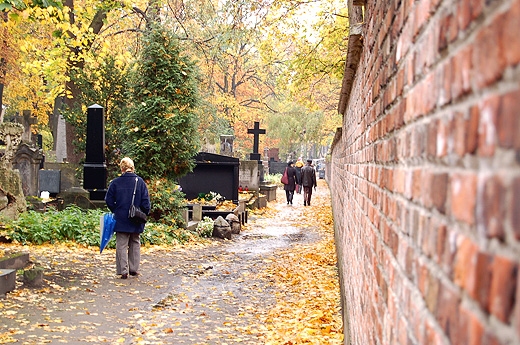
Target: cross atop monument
[(256, 131)]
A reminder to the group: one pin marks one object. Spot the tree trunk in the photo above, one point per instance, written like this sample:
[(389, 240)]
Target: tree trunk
[(73, 155)]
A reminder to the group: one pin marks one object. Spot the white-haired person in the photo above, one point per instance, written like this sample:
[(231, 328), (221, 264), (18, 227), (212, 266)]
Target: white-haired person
[(128, 233)]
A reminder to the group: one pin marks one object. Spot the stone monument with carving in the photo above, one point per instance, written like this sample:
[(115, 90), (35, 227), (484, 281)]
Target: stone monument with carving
[(12, 200)]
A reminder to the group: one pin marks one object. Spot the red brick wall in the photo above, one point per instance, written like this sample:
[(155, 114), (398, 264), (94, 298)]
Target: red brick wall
[(426, 176)]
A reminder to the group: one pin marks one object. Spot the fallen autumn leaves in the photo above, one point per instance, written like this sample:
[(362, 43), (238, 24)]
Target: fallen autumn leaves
[(200, 293)]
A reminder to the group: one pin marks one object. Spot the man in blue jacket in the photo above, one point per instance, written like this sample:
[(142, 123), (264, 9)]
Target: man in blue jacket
[(118, 199)]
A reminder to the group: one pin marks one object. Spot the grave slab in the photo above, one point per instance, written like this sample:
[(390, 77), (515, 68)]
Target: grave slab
[(14, 261), (269, 191), (7, 280)]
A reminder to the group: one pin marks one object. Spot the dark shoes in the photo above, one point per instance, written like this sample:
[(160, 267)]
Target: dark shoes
[(125, 275)]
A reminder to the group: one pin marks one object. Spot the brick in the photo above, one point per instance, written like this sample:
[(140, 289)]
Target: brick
[(487, 131), (508, 122), (514, 207), (459, 134), (510, 43), (488, 59), (463, 14), (416, 184), (471, 329), (431, 139), (463, 195), (472, 131), (432, 337), (466, 252), (443, 75), (462, 70), (439, 190), (448, 312), (442, 244), (478, 278), (443, 135), (516, 325), (503, 287), (446, 22), (491, 208)]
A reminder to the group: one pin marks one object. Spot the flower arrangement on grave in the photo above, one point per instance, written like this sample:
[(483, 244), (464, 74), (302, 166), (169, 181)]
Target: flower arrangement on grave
[(205, 227), (210, 198)]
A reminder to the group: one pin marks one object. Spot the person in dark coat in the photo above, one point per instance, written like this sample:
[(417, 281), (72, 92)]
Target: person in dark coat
[(308, 181), (291, 185), (299, 165), (128, 233)]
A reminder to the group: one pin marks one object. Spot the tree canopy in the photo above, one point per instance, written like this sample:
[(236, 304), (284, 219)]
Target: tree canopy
[(256, 60)]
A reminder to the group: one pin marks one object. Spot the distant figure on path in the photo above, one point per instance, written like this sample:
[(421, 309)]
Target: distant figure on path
[(308, 181), (291, 183), (299, 165), (119, 199)]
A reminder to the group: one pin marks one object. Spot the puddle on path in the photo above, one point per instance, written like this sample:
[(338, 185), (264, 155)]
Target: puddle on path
[(268, 235)]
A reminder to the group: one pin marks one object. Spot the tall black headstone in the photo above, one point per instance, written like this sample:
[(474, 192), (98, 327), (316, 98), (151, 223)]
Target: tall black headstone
[(95, 168)]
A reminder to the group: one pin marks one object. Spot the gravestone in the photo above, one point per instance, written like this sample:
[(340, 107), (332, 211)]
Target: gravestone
[(273, 154), (256, 131), (28, 160), (277, 167), (12, 200), (50, 181), (68, 178), (7, 281), (212, 173), (95, 168), (249, 175), (60, 141), (226, 145)]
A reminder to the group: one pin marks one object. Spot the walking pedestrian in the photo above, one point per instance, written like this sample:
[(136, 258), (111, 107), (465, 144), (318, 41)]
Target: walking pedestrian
[(290, 184), (122, 190), (299, 165), (308, 181)]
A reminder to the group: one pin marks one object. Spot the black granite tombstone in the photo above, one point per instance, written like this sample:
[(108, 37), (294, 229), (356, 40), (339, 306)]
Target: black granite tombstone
[(212, 173), (95, 169)]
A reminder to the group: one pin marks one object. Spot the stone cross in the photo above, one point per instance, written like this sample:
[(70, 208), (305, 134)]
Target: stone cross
[(26, 120), (256, 131)]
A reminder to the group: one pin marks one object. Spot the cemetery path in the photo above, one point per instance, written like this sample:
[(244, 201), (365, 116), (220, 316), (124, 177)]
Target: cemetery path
[(258, 288)]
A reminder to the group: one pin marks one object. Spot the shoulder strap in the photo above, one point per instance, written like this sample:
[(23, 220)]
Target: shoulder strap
[(135, 187)]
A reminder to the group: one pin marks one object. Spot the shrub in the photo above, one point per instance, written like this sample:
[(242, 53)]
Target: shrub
[(71, 224), (168, 202), (273, 178), (80, 226)]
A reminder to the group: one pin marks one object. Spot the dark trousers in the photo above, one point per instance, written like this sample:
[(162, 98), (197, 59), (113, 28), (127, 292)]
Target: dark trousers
[(307, 194), (289, 194)]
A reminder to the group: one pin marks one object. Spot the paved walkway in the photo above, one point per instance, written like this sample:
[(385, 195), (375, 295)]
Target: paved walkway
[(211, 294)]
